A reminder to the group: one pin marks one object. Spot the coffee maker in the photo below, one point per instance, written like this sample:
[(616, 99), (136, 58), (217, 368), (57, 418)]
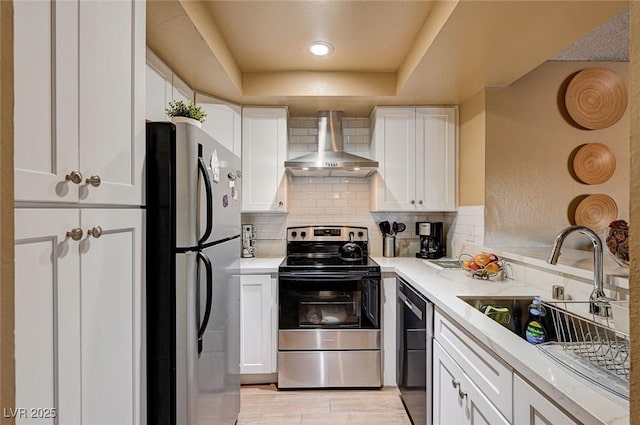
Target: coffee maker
[(431, 239), (248, 241)]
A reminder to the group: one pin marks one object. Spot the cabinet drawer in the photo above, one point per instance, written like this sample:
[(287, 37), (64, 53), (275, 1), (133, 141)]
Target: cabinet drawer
[(493, 378), (329, 369)]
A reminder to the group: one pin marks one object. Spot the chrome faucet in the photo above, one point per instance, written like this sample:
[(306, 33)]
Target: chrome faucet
[(598, 301)]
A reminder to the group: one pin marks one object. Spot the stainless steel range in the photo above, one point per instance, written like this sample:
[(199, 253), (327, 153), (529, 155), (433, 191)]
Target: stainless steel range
[(329, 310)]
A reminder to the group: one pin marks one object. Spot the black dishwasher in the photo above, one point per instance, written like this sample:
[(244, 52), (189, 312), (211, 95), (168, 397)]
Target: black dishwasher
[(414, 353)]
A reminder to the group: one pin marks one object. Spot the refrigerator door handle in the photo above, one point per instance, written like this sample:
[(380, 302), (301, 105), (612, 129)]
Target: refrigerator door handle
[(209, 192), (207, 312)]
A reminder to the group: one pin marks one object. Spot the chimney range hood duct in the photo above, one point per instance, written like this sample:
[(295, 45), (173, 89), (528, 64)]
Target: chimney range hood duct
[(330, 160)]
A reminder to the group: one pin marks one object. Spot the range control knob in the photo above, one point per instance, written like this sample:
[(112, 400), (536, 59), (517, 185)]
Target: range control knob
[(294, 234), (360, 234), (303, 234)]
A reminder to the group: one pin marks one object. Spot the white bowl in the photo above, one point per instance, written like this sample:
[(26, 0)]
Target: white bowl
[(620, 313)]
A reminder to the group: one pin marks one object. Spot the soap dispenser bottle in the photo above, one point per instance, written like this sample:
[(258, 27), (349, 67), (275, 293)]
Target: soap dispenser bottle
[(535, 330)]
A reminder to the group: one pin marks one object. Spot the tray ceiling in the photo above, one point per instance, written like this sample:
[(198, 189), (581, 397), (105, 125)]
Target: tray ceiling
[(386, 52)]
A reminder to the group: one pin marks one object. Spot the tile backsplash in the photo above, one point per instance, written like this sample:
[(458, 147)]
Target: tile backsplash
[(345, 200)]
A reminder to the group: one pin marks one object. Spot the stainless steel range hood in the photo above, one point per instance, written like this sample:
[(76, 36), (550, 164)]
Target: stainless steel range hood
[(330, 160)]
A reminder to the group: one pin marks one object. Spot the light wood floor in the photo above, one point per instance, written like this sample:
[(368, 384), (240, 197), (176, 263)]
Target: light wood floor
[(265, 405)]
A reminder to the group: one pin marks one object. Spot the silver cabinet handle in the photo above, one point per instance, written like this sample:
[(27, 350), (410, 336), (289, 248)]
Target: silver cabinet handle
[(74, 177), (93, 180), (461, 394), (455, 383), (280, 203), (413, 202), (75, 234), (420, 202), (95, 231)]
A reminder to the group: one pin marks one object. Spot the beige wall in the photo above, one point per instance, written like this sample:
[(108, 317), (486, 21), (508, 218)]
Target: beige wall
[(635, 212), (471, 169), (529, 142), (7, 378)]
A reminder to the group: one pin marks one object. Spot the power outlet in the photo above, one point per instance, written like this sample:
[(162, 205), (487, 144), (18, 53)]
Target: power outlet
[(471, 235)]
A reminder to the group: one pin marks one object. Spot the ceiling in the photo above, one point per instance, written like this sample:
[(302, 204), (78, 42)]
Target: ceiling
[(386, 52)]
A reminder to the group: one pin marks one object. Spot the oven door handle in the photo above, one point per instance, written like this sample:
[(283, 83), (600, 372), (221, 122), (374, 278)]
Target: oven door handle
[(325, 276)]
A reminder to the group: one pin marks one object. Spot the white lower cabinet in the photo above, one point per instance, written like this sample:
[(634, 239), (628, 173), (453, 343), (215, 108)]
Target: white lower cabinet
[(471, 385), (258, 324), (456, 399), (78, 314), (532, 408)]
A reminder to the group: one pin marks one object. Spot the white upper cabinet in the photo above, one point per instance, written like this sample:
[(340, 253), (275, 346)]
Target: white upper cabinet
[(158, 77), (264, 150), (416, 151), (436, 158), (180, 90), (163, 86), (393, 144), (223, 122), (79, 111)]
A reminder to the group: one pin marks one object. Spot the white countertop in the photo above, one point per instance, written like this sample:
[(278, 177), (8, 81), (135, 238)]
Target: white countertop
[(587, 402), (258, 265)]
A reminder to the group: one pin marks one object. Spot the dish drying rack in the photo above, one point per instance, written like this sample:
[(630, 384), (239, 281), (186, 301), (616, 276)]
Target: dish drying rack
[(583, 343)]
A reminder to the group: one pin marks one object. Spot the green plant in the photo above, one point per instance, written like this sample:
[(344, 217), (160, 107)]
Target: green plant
[(181, 109)]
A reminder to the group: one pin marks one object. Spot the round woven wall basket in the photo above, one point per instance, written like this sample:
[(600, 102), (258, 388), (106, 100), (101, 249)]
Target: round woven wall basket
[(594, 163), (596, 98), (596, 212)]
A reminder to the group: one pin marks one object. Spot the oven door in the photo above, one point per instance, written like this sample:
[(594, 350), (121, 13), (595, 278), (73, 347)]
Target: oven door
[(329, 302), (329, 333)]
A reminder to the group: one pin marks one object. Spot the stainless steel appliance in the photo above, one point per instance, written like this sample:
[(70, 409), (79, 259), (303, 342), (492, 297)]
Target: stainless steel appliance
[(193, 284), (414, 347), (330, 160), (431, 239), (248, 241), (329, 310)]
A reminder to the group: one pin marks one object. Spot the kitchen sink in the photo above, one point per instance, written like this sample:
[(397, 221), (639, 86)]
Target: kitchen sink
[(444, 263), (513, 318), (592, 350)]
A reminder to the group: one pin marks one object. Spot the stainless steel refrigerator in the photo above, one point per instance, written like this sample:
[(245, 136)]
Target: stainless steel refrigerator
[(193, 283)]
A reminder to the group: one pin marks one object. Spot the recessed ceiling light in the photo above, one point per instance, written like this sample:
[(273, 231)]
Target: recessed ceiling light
[(320, 48)]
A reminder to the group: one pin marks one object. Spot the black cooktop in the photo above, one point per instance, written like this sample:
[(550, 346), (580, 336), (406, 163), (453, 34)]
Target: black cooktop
[(328, 261), (318, 249)]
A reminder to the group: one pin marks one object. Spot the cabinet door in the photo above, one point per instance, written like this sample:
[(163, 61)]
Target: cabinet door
[(394, 147), (531, 407), (180, 90), (223, 122), (111, 99), (47, 313), (456, 399), (256, 325), (478, 409), (447, 403), (111, 276), (46, 98), (264, 150), (436, 158), (158, 88)]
